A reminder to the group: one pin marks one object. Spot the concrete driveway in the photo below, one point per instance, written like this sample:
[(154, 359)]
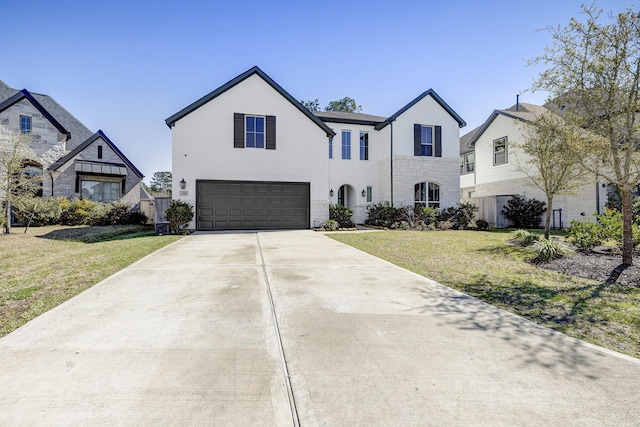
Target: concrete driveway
[(287, 328)]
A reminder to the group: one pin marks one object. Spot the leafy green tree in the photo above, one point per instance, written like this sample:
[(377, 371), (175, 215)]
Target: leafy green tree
[(346, 104), (161, 183), (16, 183), (313, 106), (548, 161), (593, 78)]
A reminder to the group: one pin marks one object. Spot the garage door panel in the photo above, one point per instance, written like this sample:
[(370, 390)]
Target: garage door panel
[(235, 205)]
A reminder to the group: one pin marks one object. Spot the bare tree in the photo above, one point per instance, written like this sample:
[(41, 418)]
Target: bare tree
[(593, 77), (548, 160), (16, 182)]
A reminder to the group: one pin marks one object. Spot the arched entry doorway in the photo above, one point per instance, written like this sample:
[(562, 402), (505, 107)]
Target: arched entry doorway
[(347, 196)]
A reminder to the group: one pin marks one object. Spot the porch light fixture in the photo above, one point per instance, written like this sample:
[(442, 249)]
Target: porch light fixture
[(183, 184), (331, 193), (364, 193)]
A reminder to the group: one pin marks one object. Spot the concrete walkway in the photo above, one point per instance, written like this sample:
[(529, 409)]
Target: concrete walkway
[(280, 328)]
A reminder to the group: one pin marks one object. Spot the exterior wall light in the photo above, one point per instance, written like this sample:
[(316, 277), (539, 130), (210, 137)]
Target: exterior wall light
[(331, 193), (364, 193), (183, 184)]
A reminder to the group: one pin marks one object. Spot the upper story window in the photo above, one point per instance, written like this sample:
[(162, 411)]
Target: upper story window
[(254, 128), (251, 131), (467, 163), (331, 148), (25, 124), (346, 144), (364, 146), (427, 194), (427, 140), (500, 151), (99, 151)]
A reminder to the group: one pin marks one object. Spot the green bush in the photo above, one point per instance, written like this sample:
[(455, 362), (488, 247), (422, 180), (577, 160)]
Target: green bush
[(38, 211), (460, 216), (382, 215), (342, 215), (549, 249), (482, 224), (76, 212), (525, 238), (525, 213), (331, 225), (585, 235), (179, 214)]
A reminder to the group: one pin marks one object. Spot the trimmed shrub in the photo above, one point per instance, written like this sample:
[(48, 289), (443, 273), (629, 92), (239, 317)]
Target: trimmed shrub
[(460, 216), (585, 235), (482, 224), (342, 215), (525, 213), (382, 215), (40, 211), (179, 214), (331, 225), (76, 212)]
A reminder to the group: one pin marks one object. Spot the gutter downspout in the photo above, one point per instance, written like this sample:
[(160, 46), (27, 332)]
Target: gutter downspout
[(391, 163), (598, 197)]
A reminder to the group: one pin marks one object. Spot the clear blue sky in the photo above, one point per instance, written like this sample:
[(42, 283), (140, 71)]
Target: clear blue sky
[(125, 66)]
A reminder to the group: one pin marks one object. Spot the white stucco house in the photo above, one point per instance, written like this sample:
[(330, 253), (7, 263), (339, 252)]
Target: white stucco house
[(489, 176), (248, 155)]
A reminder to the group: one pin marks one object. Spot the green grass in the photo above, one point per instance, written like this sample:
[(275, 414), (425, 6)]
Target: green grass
[(48, 265), (483, 265)]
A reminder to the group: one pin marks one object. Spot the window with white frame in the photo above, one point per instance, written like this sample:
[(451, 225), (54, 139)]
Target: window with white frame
[(500, 151), (364, 146), (346, 144), (25, 124), (427, 194), (254, 131), (426, 141), (467, 162), (331, 148), (369, 194)]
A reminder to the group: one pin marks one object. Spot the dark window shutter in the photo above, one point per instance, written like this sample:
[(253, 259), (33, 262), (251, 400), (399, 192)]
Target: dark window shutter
[(77, 183), (271, 133), (417, 132), (238, 130), (438, 141)]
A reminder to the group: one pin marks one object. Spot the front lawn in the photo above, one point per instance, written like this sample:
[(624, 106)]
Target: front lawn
[(48, 265), (484, 265)]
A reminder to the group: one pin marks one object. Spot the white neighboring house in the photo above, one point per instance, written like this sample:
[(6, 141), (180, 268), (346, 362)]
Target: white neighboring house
[(249, 156), (489, 174)]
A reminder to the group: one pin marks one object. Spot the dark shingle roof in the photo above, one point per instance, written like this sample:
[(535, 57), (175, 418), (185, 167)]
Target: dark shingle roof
[(346, 117), (436, 97), (233, 82), (465, 140)]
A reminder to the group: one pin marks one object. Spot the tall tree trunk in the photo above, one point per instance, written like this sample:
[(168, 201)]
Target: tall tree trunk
[(7, 217), (627, 226), (547, 217)]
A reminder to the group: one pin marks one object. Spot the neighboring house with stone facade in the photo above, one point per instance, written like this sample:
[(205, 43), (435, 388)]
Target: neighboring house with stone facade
[(489, 174), (249, 156), (74, 161)]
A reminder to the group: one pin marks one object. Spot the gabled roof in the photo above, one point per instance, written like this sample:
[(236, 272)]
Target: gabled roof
[(233, 82), (88, 142), (465, 140), (434, 95), (75, 130), (523, 112), (25, 94), (346, 117)]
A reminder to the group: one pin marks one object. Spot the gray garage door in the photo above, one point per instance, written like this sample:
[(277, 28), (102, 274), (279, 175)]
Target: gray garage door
[(247, 205)]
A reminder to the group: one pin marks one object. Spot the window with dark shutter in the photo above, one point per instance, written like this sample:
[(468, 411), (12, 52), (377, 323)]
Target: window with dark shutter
[(238, 130), (417, 141), (438, 141), (271, 133)]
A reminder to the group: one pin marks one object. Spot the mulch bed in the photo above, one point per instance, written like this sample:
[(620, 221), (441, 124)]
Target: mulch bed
[(598, 265)]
